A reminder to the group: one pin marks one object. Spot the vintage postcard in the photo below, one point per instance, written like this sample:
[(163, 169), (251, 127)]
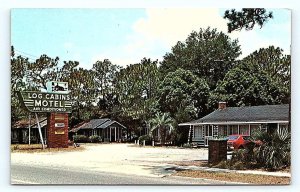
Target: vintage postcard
[(156, 96)]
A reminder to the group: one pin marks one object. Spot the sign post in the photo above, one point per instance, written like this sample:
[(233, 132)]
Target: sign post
[(29, 129), (40, 130)]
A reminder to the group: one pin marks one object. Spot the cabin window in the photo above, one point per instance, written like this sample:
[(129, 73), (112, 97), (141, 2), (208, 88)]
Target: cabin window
[(232, 130), (244, 130), (222, 130), (254, 129)]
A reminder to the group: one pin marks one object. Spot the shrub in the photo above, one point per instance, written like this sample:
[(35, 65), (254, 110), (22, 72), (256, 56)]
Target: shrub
[(222, 165), (95, 138), (274, 153), (80, 139), (239, 165), (187, 145), (145, 138)]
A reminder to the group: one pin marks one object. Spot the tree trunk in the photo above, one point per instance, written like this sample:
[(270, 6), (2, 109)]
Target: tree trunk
[(162, 136)]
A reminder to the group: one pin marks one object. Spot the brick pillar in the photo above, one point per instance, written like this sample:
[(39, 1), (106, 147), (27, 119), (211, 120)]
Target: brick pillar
[(217, 151), (57, 130)]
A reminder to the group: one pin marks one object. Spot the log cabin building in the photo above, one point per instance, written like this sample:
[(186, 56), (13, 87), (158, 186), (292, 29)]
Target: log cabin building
[(237, 120)]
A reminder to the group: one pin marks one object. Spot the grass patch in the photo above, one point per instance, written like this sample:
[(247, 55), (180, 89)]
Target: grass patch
[(236, 177), (199, 163), (38, 148)]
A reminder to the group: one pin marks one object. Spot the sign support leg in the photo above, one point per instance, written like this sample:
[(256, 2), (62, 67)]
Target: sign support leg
[(29, 129), (40, 131)]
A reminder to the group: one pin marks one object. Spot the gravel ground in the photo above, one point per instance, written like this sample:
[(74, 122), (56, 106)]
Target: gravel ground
[(114, 158)]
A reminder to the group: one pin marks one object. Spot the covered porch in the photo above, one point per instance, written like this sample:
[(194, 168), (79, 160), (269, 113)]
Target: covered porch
[(200, 133)]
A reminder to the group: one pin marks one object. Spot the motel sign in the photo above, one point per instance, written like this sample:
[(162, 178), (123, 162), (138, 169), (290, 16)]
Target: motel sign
[(46, 102)]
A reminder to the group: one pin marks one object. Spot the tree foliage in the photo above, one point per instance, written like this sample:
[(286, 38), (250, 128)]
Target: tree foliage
[(209, 54), (183, 95), (275, 151), (248, 85), (135, 87), (164, 124), (42, 70), (17, 84), (273, 62), (246, 18), (104, 75)]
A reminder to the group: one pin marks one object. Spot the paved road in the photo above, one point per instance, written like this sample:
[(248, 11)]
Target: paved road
[(32, 175)]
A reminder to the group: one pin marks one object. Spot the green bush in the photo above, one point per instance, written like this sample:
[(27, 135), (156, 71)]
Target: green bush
[(187, 145), (274, 153), (81, 139), (146, 138), (95, 138)]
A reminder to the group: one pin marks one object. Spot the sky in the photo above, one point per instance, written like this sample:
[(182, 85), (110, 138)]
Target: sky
[(125, 36)]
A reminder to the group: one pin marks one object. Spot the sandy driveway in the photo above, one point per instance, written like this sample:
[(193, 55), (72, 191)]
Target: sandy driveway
[(115, 158)]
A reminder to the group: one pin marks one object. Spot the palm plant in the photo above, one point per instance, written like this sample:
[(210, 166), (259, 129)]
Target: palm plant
[(274, 153), (164, 124)]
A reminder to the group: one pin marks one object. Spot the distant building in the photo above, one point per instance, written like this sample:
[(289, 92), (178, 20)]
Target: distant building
[(237, 120), (20, 130), (109, 130)]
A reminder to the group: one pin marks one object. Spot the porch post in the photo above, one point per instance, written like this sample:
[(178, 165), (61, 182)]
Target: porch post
[(115, 134), (249, 130), (238, 129), (117, 130), (110, 134), (227, 130), (189, 136)]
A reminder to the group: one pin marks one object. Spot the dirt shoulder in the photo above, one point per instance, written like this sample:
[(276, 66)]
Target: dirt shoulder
[(236, 177), (38, 148)]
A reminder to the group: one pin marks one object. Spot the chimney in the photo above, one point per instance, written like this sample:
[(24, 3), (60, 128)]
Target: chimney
[(222, 105)]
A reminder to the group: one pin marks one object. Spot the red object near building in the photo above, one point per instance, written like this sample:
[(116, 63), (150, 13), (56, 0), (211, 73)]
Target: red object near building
[(239, 141)]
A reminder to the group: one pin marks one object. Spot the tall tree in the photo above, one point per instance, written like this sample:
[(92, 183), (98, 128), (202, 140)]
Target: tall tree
[(208, 53), (42, 70), (247, 85), (135, 87), (104, 75), (183, 95), (246, 18), (18, 83), (84, 93), (273, 62)]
